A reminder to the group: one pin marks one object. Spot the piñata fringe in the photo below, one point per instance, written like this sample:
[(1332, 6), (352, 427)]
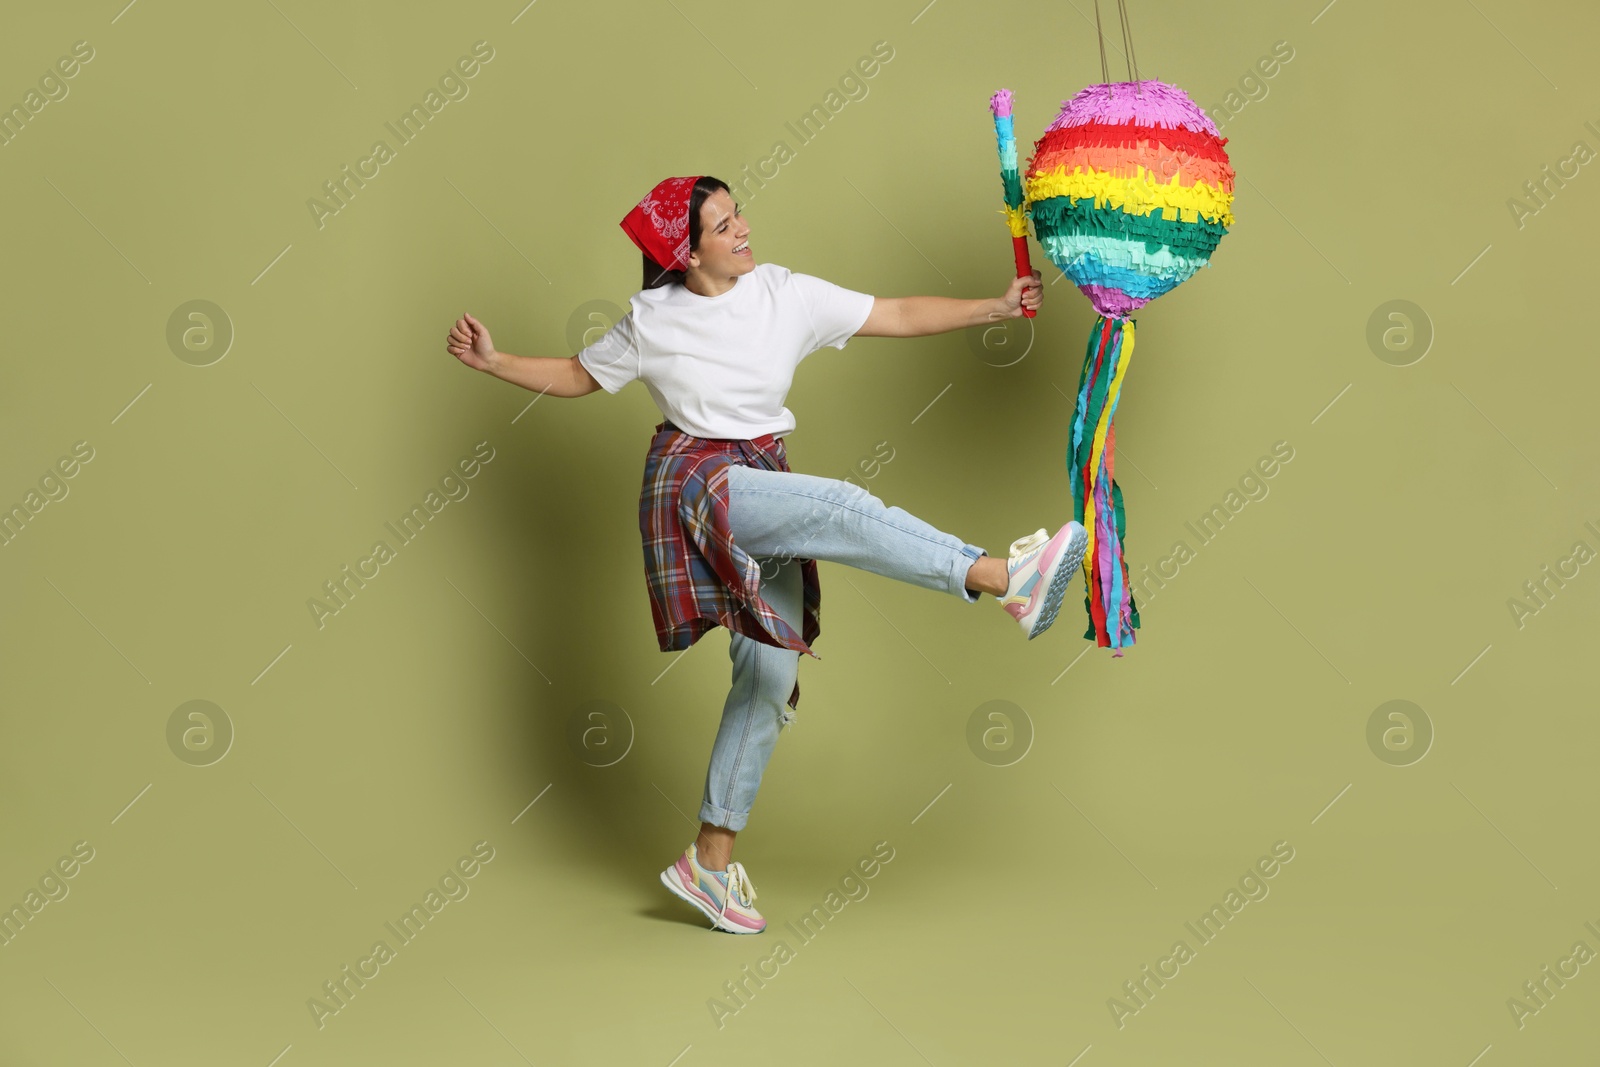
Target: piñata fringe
[(1096, 497)]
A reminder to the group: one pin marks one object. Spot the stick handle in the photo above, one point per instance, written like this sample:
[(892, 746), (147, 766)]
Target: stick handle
[(1019, 248)]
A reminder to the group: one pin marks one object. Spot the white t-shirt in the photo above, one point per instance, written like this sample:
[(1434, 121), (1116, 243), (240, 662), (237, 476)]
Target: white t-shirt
[(721, 366)]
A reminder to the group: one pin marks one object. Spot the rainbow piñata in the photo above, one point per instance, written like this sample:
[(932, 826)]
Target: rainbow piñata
[(1129, 191)]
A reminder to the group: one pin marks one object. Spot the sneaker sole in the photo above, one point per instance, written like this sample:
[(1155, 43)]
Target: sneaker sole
[(1071, 559), (669, 878)]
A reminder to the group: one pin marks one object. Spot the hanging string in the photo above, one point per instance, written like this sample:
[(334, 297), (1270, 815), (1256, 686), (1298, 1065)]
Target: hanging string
[(1105, 73), (1127, 43), (1130, 59)]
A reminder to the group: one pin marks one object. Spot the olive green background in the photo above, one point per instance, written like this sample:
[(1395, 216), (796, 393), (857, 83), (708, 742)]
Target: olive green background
[(1029, 881)]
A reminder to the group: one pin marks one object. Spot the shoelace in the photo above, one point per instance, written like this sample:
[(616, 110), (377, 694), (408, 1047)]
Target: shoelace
[(738, 882), (1029, 547)]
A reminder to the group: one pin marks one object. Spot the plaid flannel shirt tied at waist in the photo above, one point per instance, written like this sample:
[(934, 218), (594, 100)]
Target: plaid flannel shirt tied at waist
[(698, 577)]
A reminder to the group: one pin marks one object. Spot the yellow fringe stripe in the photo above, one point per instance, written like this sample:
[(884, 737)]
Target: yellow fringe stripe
[(1140, 194), (1016, 221)]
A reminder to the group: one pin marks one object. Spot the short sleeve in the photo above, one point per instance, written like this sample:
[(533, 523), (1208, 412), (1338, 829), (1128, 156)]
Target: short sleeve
[(614, 358), (835, 313)]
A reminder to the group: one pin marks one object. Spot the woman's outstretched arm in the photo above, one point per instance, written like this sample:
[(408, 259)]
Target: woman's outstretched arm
[(469, 342), (919, 316)]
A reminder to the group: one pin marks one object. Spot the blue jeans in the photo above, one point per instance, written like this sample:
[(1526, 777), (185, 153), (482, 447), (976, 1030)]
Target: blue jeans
[(780, 517)]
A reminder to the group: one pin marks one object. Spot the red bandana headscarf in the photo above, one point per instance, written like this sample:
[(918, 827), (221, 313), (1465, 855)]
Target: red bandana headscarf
[(659, 224)]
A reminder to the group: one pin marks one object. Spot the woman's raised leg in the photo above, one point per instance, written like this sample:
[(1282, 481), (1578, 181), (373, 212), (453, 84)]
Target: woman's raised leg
[(788, 515)]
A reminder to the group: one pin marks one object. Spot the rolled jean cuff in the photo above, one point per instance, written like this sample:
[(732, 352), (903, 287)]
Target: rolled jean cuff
[(965, 558), (719, 816)]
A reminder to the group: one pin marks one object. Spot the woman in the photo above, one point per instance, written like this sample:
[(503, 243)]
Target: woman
[(716, 337)]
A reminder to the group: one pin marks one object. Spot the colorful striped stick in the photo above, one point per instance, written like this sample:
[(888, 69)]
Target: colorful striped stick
[(1011, 180)]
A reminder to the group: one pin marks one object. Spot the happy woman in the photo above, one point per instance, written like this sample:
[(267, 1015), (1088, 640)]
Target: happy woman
[(715, 337)]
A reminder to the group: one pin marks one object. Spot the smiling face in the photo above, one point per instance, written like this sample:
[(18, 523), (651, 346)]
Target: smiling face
[(722, 230)]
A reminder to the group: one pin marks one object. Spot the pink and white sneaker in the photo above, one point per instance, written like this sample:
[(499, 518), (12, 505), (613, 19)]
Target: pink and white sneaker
[(1041, 567), (724, 896)]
